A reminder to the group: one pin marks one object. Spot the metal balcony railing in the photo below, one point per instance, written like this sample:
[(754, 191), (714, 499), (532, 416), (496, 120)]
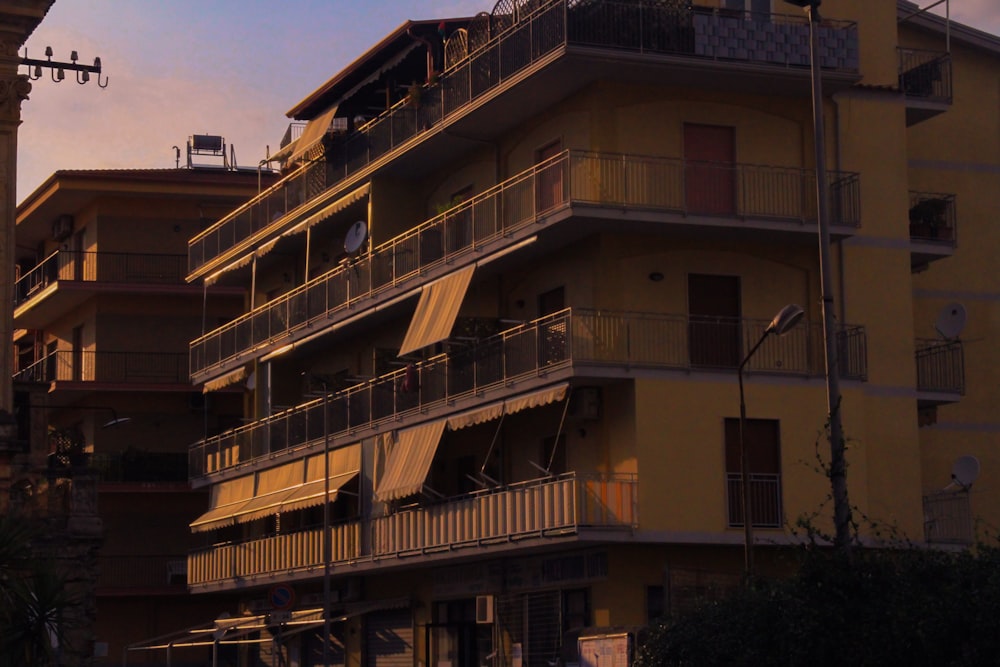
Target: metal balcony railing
[(940, 366), (577, 337), (520, 41), (141, 573), (765, 500), (925, 75), (298, 551), (139, 466), (113, 267), (541, 507), (933, 217), (109, 367), (948, 518), (741, 192)]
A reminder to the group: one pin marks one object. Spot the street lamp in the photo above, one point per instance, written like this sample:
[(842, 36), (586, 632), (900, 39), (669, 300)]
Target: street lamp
[(838, 468), (786, 318)]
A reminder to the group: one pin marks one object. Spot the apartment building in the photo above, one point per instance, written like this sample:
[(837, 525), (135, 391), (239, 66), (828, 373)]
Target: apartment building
[(503, 298), (103, 316)]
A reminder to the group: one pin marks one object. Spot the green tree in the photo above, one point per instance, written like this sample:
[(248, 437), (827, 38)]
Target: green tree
[(904, 606), (33, 598)]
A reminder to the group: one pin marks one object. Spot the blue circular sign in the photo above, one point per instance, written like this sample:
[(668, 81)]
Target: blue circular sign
[(281, 596)]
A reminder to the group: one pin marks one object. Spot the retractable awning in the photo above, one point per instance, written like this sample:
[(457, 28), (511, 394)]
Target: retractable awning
[(409, 461), (273, 486), (437, 309), (313, 133), (226, 380), (345, 463), (227, 498), (508, 406), (329, 210)]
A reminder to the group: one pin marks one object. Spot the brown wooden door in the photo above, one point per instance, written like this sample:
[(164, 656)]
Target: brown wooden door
[(709, 169), (714, 328)]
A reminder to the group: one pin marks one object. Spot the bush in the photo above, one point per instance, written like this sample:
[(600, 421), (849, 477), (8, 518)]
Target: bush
[(899, 606)]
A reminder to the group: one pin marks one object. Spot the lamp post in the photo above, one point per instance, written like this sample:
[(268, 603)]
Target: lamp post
[(786, 318), (838, 469)]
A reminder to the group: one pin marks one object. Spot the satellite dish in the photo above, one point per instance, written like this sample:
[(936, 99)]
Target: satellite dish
[(951, 321), (356, 236), (965, 471), (251, 382)]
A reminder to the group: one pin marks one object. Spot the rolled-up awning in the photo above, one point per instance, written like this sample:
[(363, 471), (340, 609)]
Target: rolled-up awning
[(437, 309), (329, 210), (313, 133), (410, 460), (508, 406), (227, 498), (228, 379)]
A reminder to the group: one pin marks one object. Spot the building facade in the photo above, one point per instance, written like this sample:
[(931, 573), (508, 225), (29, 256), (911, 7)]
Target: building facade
[(502, 299), (104, 401)]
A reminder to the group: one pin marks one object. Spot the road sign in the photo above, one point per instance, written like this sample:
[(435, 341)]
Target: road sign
[(281, 597)]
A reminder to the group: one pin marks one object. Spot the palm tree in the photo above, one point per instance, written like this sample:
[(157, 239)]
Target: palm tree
[(33, 598)]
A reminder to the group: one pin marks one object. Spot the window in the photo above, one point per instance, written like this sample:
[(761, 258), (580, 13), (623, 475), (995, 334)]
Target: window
[(656, 603), (753, 6), (763, 453)]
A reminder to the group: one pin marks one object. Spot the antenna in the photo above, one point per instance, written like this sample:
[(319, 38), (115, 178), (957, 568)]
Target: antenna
[(965, 471), (951, 321), (355, 238)]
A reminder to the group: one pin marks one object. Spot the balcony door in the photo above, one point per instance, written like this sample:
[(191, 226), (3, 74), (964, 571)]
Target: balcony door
[(714, 329), (549, 178), (710, 169), (764, 468)]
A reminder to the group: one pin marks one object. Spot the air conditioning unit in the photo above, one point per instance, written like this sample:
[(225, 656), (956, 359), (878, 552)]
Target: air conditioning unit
[(585, 403), (484, 609), (62, 227)]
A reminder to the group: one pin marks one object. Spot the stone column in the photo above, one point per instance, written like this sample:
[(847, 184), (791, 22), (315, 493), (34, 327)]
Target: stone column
[(18, 18)]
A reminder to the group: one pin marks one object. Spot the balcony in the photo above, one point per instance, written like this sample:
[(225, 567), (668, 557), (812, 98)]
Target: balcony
[(647, 191), (130, 370), (141, 575), (564, 344), (925, 81), (940, 371), (66, 278), (137, 466), (572, 44), (948, 518), (561, 507), (933, 227), (765, 500)]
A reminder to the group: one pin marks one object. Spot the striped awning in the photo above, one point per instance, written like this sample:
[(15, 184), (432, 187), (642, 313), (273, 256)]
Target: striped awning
[(410, 461), (437, 309), (329, 210), (312, 134), (227, 498), (508, 406)]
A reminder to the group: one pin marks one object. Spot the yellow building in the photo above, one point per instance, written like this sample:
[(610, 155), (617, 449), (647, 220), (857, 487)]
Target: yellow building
[(102, 318), (501, 293)]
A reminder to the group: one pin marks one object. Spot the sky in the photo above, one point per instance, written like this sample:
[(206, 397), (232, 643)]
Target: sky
[(224, 67)]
